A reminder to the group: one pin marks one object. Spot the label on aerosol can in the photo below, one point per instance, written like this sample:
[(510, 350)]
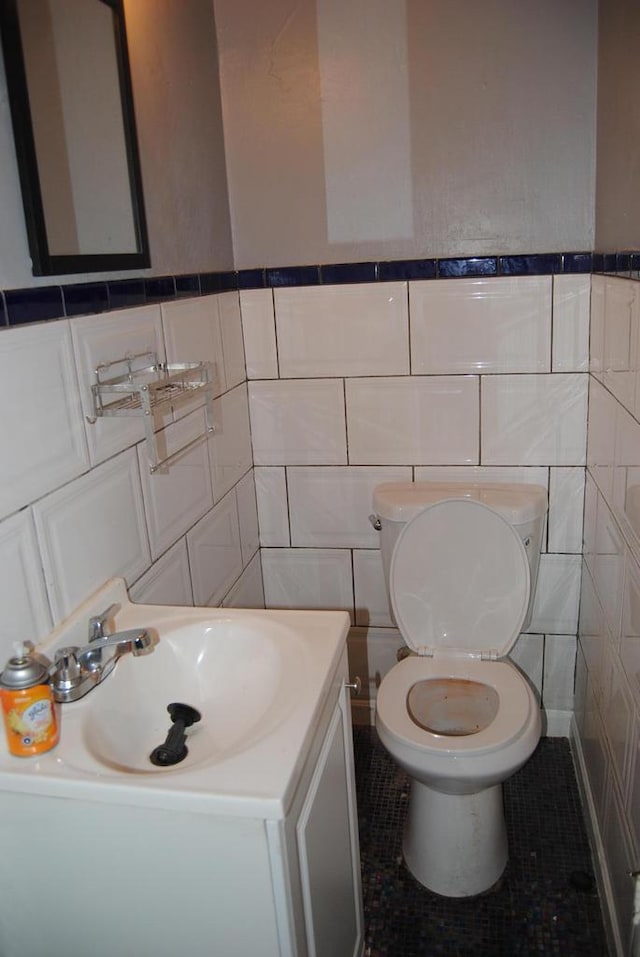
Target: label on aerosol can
[(28, 708)]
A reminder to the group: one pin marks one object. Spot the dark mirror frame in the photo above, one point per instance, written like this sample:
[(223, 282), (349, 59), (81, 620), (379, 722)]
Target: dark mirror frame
[(44, 263)]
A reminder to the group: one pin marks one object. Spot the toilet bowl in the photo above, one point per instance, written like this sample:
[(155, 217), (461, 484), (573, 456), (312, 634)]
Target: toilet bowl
[(456, 714)]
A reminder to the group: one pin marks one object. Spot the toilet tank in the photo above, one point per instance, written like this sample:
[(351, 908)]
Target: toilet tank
[(523, 506)]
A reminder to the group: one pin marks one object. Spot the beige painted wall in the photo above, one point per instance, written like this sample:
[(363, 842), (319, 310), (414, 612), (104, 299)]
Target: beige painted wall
[(176, 90), (498, 105), (618, 166)]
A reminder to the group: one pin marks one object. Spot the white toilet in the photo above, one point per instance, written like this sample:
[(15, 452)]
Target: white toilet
[(461, 565)]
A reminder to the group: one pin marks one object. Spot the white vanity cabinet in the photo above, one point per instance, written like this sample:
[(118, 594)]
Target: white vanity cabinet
[(139, 877)]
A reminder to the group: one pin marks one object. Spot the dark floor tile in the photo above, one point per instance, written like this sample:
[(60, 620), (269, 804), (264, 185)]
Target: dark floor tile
[(536, 909)]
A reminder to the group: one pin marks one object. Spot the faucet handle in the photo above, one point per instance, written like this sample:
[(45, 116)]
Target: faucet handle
[(97, 623), (65, 670)]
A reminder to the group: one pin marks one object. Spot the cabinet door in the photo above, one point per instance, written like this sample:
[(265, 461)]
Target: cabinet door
[(329, 850)]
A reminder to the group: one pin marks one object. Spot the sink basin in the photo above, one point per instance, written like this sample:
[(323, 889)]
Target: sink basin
[(259, 679), (234, 672)]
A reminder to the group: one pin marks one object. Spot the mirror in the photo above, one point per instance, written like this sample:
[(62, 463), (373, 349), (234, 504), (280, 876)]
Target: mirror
[(72, 111)]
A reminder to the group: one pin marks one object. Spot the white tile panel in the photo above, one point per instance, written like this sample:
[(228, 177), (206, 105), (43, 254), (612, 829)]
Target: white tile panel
[(608, 568), (176, 497), (593, 636), (571, 302), (625, 500), (23, 596), (298, 422), (232, 344), (41, 432), (620, 863), (630, 636), (273, 506), (566, 508), (350, 330), (192, 334), (372, 654), (230, 444), (534, 420), (633, 801), (555, 607), (528, 655), (595, 754), (259, 331), (312, 578), (617, 716), (596, 336), (621, 339), (372, 607), (247, 591), (602, 436), (248, 517), (330, 507), (108, 337), (215, 557), (481, 325), (559, 671), (90, 530), (421, 420), (168, 581)]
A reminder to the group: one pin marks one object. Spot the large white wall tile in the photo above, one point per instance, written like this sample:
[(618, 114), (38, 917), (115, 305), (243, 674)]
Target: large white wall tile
[(273, 506), (41, 428), (215, 557), (259, 331), (167, 582), (617, 716), (307, 578), (602, 436), (108, 337), (566, 507), (593, 635), (230, 444), (347, 330), (621, 339), (248, 517), (90, 530), (608, 568), (559, 670), (596, 335), (413, 420), (23, 596), (571, 301), (247, 591), (481, 325), (534, 420), (630, 632), (625, 500), (329, 507), (620, 863), (528, 655), (555, 607), (232, 344), (372, 654), (176, 497), (372, 606), (299, 422), (192, 334)]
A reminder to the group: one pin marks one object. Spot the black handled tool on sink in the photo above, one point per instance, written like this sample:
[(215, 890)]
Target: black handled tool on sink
[(174, 748)]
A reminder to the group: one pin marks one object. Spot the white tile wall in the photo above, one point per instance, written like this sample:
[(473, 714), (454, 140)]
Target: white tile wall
[(606, 715), (467, 411), (85, 524), (248, 591)]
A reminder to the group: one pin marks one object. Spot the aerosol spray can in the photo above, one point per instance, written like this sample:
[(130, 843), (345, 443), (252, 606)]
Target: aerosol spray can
[(28, 708)]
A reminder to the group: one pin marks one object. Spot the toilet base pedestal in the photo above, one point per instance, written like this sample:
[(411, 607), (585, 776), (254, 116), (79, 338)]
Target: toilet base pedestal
[(455, 844)]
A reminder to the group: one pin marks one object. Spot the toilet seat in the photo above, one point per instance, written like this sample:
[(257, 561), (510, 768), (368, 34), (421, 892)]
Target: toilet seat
[(513, 714), (459, 581)]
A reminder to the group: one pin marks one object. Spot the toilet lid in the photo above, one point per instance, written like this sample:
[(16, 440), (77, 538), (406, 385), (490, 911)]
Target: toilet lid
[(459, 580)]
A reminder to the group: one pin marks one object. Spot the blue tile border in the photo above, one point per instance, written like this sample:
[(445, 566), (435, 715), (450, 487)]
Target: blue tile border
[(42, 303)]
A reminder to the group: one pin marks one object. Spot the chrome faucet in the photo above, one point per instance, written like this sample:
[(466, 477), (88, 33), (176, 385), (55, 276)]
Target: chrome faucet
[(75, 671)]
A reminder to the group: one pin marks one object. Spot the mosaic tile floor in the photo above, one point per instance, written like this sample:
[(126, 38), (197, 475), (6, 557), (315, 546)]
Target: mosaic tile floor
[(540, 906)]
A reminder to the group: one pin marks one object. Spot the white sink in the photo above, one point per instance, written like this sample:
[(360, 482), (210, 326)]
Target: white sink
[(258, 678), (236, 673)]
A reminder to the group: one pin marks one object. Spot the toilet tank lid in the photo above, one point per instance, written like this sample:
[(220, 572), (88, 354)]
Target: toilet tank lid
[(517, 503)]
